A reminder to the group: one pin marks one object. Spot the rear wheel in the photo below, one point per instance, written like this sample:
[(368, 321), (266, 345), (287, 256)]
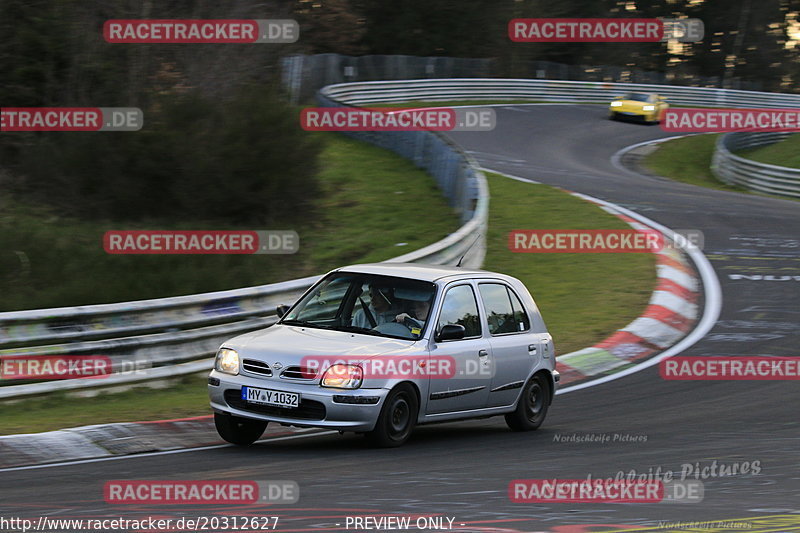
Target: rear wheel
[(239, 431), (532, 407), (397, 419)]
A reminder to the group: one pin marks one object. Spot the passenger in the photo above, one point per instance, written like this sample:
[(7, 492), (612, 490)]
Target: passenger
[(381, 309), (419, 312)]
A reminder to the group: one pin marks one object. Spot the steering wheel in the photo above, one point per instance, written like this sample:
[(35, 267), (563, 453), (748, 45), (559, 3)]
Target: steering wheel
[(393, 328)]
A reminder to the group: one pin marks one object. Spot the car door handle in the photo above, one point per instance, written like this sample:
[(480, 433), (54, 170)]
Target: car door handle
[(483, 353), (532, 349)]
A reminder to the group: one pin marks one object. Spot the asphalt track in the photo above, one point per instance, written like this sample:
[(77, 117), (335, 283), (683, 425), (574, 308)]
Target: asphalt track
[(462, 470)]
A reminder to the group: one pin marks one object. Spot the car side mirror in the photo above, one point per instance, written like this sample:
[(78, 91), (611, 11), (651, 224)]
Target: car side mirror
[(451, 332), (281, 310)]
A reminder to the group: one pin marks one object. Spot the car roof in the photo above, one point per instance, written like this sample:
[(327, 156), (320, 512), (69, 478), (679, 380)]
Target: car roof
[(419, 271)]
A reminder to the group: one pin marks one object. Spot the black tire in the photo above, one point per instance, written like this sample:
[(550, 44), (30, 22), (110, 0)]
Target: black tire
[(397, 419), (613, 115), (239, 431), (532, 407)]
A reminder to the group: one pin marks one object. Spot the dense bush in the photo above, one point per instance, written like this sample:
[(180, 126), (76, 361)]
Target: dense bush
[(242, 160)]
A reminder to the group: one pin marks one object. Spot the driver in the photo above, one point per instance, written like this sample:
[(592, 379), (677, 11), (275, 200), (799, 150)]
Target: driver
[(415, 318), (381, 308)]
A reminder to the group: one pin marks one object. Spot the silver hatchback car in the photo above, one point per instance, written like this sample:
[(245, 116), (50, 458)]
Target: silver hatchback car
[(379, 348)]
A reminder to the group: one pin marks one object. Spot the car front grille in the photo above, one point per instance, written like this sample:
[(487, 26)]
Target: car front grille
[(308, 409), (256, 367), (299, 372)]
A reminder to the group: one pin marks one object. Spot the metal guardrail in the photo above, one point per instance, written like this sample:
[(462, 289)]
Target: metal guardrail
[(729, 167), (152, 339), (304, 75), (375, 92), (737, 170), (189, 328)]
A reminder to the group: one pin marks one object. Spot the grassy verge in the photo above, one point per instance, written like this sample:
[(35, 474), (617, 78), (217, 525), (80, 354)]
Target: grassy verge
[(785, 153), (583, 297), (50, 261), (184, 398), (688, 160)]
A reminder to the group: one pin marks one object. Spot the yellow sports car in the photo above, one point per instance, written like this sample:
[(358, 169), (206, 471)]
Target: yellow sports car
[(648, 108)]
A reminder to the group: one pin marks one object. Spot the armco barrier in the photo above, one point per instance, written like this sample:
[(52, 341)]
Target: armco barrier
[(376, 92), (152, 339), (170, 330), (737, 170)]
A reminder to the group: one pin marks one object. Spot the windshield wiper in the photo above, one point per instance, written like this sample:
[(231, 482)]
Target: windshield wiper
[(359, 329), (305, 323)]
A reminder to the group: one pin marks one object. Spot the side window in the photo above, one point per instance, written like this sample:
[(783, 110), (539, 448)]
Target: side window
[(523, 323), (499, 313), (460, 307), (504, 311)]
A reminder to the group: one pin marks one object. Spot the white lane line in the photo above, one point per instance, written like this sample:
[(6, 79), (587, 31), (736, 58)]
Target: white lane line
[(713, 305), (711, 310), (713, 292), (510, 176), (156, 454), (616, 159)]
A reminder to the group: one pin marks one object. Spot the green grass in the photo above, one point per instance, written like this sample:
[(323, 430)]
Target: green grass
[(583, 297), (184, 398), (688, 160), (367, 196), (785, 153)]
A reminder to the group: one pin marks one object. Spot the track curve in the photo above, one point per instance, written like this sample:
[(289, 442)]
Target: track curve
[(462, 470)]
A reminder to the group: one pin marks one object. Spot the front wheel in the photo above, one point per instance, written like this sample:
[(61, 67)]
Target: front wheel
[(532, 407), (397, 419), (239, 431)]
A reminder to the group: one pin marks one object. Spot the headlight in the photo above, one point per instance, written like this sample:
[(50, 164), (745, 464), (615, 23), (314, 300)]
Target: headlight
[(616, 104), (342, 377), (227, 361), (649, 108)]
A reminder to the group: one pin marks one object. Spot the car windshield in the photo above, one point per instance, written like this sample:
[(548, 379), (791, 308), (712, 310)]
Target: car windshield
[(366, 303), (639, 97)]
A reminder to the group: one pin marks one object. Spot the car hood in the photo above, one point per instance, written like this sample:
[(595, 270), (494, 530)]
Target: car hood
[(290, 344), (631, 105)]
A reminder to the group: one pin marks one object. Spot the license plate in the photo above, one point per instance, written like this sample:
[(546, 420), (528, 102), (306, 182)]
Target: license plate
[(270, 397)]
